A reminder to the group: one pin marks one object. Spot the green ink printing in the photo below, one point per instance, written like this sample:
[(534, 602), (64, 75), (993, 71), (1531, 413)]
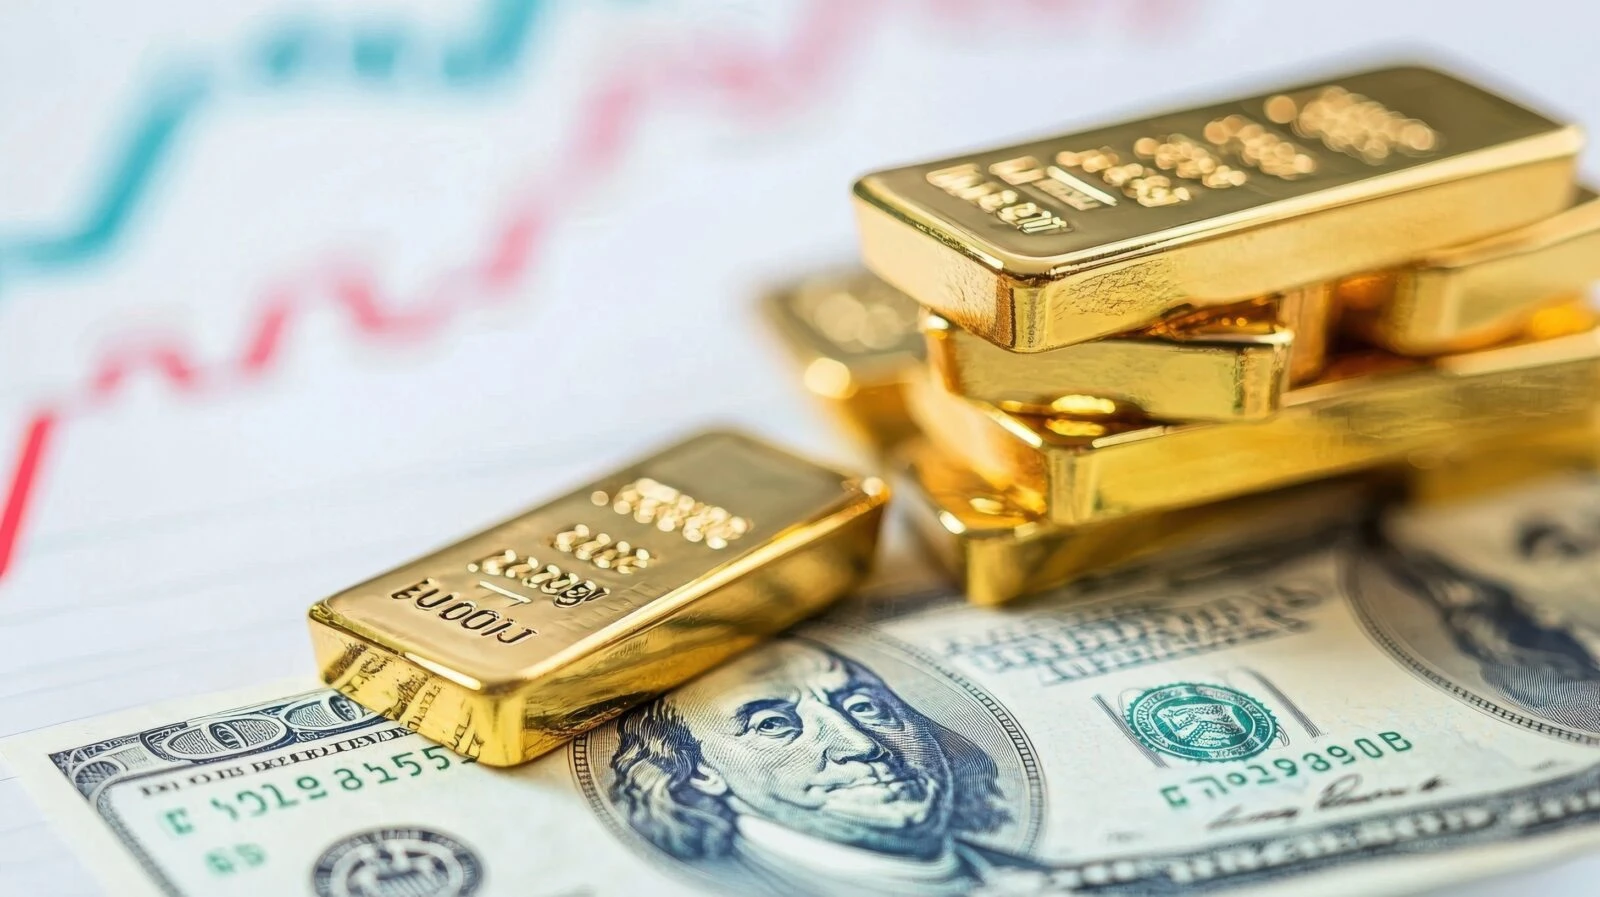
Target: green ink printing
[(1196, 721)]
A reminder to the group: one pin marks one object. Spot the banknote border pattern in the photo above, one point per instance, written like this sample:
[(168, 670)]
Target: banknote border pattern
[(1349, 580), (114, 822), (1153, 874)]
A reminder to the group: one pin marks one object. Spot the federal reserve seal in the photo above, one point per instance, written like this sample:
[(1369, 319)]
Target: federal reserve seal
[(397, 862), (1201, 722)]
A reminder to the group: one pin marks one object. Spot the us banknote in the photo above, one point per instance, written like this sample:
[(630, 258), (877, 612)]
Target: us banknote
[(1389, 706)]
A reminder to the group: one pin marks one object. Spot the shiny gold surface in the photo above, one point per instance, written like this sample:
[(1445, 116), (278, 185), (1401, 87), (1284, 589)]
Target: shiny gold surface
[(1369, 410), (511, 641), (1570, 317), (1071, 238), (857, 341), (1466, 297), (1476, 467), (996, 550), (1311, 314), (1233, 368)]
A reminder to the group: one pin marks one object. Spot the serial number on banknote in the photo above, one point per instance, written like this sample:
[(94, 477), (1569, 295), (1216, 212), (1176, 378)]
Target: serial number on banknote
[(1333, 758), (276, 797)]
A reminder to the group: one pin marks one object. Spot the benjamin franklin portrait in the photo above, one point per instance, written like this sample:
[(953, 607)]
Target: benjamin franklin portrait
[(1497, 599), (794, 769)]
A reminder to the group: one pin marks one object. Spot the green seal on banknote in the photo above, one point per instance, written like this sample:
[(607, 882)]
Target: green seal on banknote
[(1201, 722)]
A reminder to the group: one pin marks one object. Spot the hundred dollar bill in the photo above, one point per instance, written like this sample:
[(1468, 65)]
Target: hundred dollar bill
[(1396, 705)]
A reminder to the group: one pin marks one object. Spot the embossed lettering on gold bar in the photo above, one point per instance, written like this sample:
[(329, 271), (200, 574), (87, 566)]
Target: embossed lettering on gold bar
[(512, 640), (565, 588), (602, 549), (967, 182), (669, 510), (426, 595), (1260, 148), (1190, 160), (1351, 123), (1148, 187), (1070, 238)]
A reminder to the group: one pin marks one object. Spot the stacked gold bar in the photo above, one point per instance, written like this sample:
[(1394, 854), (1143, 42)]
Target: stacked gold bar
[(1133, 333)]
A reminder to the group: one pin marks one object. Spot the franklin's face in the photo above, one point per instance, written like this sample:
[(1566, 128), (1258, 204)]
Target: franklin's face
[(794, 734), (1541, 542)]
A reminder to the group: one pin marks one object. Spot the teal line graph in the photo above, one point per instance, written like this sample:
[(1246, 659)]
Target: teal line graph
[(293, 54)]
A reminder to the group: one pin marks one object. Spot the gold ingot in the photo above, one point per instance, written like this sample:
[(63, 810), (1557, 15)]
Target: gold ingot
[(1475, 468), (1232, 367), (513, 640), (1311, 314), (857, 339), (1368, 411), (996, 550), (1072, 238), (1471, 296)]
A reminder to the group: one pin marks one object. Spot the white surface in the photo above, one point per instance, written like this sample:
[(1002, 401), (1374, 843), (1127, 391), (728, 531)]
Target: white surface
[(175, 536)]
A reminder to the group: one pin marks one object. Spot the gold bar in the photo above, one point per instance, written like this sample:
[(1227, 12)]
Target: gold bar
[(1225, 368), (513, 640), (1471, 296), (1311, 314), (1075, 237), (1479, 467), (857, 340), (1368, 411), (995, 550)]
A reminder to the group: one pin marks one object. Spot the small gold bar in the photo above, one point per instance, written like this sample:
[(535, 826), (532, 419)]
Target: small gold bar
[(1311, 314), (511, 641), (1224, 368), (995, 550), (1471, 296), (1075, 237), (1477, 467), (856, 338), (1368, 410)]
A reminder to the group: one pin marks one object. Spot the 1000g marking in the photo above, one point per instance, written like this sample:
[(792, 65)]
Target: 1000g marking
[(426, 595)]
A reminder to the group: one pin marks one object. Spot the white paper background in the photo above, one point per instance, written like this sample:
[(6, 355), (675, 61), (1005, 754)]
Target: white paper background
[(675, 156)]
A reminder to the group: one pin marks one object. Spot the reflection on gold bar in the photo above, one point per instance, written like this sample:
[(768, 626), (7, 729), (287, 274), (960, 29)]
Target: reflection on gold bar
[(1367, 412), (1470, 296), (857, 339), (507, 643), (1476, 467), (1071, 238), (996, 550), (1223, 368), (1572, 316), (1311, 314)]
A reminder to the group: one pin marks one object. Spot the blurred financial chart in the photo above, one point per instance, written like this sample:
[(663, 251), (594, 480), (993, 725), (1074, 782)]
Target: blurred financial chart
[(289, 291), (389, 59)]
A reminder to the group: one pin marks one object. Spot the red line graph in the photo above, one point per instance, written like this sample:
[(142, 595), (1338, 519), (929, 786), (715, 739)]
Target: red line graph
[(750, 80)]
